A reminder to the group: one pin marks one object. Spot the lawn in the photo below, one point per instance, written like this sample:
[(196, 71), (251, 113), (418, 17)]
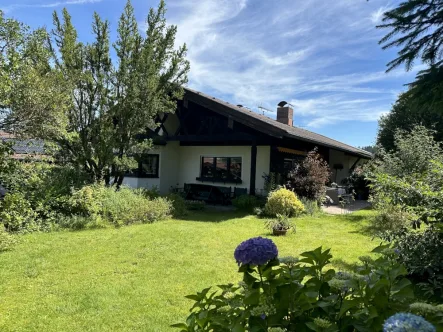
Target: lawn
[(135, 278)]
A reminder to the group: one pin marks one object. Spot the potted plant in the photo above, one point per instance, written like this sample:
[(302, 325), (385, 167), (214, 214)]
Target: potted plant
[(280, 226)]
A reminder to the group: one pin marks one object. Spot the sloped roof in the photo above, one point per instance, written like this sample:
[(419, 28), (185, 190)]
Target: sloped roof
[(23, 146), (268, 125)]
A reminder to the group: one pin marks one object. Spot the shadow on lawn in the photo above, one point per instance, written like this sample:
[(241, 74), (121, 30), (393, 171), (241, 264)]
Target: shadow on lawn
[(362, 228), (341, 265), (354, 217), (214, 215)]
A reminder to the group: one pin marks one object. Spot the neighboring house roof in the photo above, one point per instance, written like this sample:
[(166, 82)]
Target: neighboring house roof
[(23, 147), (269, 126)]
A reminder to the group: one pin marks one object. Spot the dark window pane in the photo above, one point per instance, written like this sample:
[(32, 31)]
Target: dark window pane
[(207, 167), (235, 171), (149, 165), (288, 165), (221, 168)]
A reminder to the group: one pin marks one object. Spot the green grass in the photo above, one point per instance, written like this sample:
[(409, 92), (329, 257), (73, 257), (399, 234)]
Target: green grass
[(135, 278)]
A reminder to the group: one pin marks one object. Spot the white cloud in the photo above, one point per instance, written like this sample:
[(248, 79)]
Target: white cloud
[(322, 55), (376, 16), (13, 7), (66, 3)]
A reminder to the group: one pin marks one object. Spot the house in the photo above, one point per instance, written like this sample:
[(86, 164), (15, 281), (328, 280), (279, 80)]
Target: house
[(24, 148), (210, 141)]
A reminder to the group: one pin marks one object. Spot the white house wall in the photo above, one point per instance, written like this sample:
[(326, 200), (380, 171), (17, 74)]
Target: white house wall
[(171, 124), (169, 166), (190, 163), (164, 153), (339, 157), (134, 182)]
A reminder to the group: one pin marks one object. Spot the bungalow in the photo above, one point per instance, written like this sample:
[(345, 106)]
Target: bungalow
[(210, 141)]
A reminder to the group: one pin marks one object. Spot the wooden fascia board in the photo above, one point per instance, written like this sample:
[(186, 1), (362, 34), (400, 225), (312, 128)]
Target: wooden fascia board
[(330, 146)]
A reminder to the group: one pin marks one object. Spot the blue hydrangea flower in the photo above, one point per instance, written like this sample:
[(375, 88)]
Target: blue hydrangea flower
[(255, 251), (405, 322)]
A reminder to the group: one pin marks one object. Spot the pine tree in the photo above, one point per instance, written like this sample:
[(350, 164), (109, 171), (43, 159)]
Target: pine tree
[(417, 27)]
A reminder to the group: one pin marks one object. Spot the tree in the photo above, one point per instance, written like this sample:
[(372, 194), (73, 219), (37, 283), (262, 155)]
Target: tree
[(413, 153), (149, 79), (369, 148), (98, 112), (421, 104), (417, 27), (26, 79), (309, 177)]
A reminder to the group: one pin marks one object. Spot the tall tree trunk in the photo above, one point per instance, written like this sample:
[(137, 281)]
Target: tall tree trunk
[(120, 180)]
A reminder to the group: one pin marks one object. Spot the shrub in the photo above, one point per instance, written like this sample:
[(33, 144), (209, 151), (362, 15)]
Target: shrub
[(7, 241), (303, 294), (311, 207), (411, 177), (406, 185), (74, 222), (195, 205), (42, 184), (86, 201), (358, 183), (246, 202), (158, 209), (309, 177), (179, 208), (123, 206), (150, 193), (8, 164), (282, 223), (283, 201), (119, 207), (17, 215), (421, 253), (78, 222), (391, 218)]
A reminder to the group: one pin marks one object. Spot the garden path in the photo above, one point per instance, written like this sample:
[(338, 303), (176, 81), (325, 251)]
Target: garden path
[(349, 208)]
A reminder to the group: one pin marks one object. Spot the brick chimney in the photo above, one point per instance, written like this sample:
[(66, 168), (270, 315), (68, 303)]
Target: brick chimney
[(285, 113)]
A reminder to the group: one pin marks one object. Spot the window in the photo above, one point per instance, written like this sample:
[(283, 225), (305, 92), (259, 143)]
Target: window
[(221, 169), (147, 167), (290, 163)]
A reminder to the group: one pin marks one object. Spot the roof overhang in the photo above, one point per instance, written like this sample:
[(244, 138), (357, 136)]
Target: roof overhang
[(264, 125)]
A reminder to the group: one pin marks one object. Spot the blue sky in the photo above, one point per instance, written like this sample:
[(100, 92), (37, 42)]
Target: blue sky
[(322, 56)]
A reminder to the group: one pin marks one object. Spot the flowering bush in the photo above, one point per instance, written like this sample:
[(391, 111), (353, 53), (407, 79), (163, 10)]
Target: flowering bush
[(291, 294), (255, 251), (283, 201), (405, 322)]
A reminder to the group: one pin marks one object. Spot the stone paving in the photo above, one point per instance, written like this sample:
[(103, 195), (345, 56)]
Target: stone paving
[(349, 208)]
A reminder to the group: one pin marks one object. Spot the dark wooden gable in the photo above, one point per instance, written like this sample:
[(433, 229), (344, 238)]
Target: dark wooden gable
[(200, 125)]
